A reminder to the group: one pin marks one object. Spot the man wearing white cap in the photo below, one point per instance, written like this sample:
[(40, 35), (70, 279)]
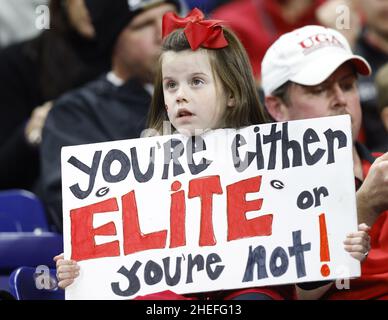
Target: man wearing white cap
[(312, 72)]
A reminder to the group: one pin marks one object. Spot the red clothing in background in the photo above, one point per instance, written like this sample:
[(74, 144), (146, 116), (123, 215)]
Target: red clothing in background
[(373, 283), (258, 23)]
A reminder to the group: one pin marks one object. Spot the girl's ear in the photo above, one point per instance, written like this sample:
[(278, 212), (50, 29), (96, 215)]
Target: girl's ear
[(276, 108), (231, 101)]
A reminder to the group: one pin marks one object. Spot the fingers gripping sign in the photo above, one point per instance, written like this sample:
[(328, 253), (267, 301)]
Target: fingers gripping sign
[(67, 271)]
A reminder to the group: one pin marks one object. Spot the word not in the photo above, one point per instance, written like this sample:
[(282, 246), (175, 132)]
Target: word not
[(258, 257)]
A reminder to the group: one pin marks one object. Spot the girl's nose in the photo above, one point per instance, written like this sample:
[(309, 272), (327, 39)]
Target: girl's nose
[(181, 95)]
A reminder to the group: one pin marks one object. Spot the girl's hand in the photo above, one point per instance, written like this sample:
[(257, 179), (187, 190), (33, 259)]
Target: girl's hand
[(358, 243), (67, 271)]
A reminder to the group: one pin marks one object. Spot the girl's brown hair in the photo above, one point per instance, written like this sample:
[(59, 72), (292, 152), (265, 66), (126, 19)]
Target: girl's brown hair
[(232, 67)]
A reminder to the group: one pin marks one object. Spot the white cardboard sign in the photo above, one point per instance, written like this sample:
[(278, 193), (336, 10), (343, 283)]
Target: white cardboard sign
[(264, 205)]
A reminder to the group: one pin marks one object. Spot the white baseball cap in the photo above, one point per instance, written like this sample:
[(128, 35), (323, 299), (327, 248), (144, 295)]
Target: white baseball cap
[(307, 56)]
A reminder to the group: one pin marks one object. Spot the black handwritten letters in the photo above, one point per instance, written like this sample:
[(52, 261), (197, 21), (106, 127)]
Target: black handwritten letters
[(174, 149), (235, 203), (153, 273)]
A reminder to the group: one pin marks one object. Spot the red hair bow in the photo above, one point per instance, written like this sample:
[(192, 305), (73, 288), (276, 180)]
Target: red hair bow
[(198, 31)]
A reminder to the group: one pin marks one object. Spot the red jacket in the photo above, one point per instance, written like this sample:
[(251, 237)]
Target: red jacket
[(373, 283), (258, 23), (286, 292)]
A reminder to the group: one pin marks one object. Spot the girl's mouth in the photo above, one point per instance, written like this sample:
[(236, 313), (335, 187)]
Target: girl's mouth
[(184, 113)]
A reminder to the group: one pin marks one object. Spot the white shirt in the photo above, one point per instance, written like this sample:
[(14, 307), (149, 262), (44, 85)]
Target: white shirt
[(117, 81)]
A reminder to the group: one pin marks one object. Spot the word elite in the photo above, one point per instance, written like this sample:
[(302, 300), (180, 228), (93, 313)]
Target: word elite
[(83, 233)]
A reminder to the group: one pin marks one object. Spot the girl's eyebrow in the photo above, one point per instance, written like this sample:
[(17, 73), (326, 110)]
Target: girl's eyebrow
[(198, 74), (191, 75)]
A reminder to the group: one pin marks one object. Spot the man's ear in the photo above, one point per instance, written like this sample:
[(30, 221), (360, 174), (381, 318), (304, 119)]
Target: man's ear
[(276, 108)]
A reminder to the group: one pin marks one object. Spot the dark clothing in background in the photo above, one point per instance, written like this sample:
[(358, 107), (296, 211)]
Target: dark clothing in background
[(109, 18), (373, 283), (19, 95), (32, 73), (98, 112), (376, 137)]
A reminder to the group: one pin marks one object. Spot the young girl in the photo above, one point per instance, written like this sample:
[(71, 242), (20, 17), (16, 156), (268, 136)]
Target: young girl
[(204, 81)]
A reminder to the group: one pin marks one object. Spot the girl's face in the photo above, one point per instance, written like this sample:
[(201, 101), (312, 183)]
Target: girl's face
[(194, 98)]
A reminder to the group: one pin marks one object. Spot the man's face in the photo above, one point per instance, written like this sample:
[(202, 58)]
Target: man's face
[(376, 12), (139, 44), (337, 95)]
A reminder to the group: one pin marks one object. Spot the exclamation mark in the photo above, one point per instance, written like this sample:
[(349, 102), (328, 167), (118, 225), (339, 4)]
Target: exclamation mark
[(325, 252)]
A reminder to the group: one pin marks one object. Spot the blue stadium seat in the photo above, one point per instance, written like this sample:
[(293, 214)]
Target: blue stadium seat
[(28, 283), (28, 249), (25, 238), (21, 211)]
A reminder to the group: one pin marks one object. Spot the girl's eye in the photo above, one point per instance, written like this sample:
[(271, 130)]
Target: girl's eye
[(197, 81), (170, 85)]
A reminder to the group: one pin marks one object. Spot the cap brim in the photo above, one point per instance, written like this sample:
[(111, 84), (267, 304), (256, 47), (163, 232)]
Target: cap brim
[(315, 72)]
